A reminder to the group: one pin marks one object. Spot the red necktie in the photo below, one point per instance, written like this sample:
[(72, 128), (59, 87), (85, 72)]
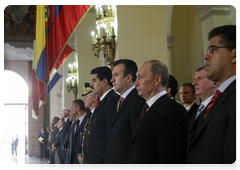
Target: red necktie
[(144, 110), (98, 102), (214, 98), (119, 103)]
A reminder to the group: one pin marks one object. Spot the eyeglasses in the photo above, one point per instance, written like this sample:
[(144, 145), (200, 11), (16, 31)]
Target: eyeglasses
[(213, 48)]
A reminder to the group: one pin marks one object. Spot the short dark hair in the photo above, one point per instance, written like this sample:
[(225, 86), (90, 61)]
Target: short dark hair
[(227, 34), (200, 68), (103, 72), (173, 84), (159, 68), (189, 85), (130, 67), (80, 103)]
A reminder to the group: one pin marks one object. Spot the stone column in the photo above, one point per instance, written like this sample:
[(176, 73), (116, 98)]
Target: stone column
[(213, 16)]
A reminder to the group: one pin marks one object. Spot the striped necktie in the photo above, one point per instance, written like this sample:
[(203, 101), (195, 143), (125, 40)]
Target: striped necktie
[(214, 98)]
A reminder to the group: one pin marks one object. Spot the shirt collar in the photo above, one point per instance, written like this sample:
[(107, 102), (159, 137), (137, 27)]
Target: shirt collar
[(189, 107), (82, 117), (153, 99), (126, 93), (66, 119), (205, 102), (226, 83), (102, 97)]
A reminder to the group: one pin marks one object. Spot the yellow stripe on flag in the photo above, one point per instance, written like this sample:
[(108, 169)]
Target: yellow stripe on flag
[(40, 33)]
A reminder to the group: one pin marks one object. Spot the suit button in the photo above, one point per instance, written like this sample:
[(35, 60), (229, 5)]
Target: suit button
[(133, 144), (110, 133), (109, 145)]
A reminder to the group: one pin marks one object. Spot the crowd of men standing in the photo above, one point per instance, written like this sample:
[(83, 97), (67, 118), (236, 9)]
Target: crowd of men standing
[(130, 115)]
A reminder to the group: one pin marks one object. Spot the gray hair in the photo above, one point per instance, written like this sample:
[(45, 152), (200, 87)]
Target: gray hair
[(67, 111), (94, 95), (159, 68)]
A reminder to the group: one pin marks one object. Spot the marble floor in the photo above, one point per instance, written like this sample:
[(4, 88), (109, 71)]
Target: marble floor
[(22, 161), (26, 162)]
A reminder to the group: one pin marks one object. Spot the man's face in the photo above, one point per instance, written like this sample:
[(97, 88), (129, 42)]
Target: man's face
[(63, 114), (186, 95), (60, 124), (54, 121), (97, 85), (88, 100), (145, 82), (218, 61), (203, 86), (118, 80), (73, 109)]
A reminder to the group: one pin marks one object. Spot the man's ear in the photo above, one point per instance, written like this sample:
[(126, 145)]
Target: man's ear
[(168, 90), (215, 84), (158, 79), (104, 82), (233, 56), (129, 78)]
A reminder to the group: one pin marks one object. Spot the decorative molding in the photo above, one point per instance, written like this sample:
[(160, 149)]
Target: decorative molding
[(206, 11)]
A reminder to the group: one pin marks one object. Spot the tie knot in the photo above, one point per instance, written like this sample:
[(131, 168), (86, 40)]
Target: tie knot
[(78, 121), (120, 100), (200, 107), (145, 107), (217, 93)]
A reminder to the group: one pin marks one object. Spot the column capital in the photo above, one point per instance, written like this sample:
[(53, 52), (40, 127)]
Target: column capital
[(206, 11)]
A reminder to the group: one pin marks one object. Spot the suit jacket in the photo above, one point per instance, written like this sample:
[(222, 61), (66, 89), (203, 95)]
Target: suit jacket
[(53, 136), (161, 135), (76, 146), (122, 127), (64, 133), (58, 145), (16, 142), (42, 135), (214, 141), (102, 118), (85, 138), (68, 144), (192, 110)]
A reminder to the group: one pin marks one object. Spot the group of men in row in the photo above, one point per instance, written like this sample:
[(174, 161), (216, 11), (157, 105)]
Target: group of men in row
[(127, 115)]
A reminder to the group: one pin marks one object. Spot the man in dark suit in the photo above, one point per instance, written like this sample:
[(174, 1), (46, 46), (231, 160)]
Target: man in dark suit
[(57, 143), (103, 114), (91, 101), (127, 114), (53, 136), (42, 142), (214, 141), (65, 130), (76, 134), (187, 96), (204, 89), (16, 144), (160, 136)]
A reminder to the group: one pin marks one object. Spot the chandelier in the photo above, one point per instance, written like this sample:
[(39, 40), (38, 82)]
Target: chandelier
[(104, 40)]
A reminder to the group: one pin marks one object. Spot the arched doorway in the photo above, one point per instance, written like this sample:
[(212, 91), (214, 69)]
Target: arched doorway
[(15, 115)]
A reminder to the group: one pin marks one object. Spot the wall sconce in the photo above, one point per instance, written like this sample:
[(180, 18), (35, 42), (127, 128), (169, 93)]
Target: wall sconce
[(72, 79), (104, 41)]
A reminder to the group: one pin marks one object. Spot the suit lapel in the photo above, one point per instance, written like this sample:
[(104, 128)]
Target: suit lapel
[(149, 113), (102, 102), (215, 106), (123, 105), (81, 125)]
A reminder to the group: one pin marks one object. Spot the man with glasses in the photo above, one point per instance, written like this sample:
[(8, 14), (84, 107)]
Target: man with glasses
[(215, 137)]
